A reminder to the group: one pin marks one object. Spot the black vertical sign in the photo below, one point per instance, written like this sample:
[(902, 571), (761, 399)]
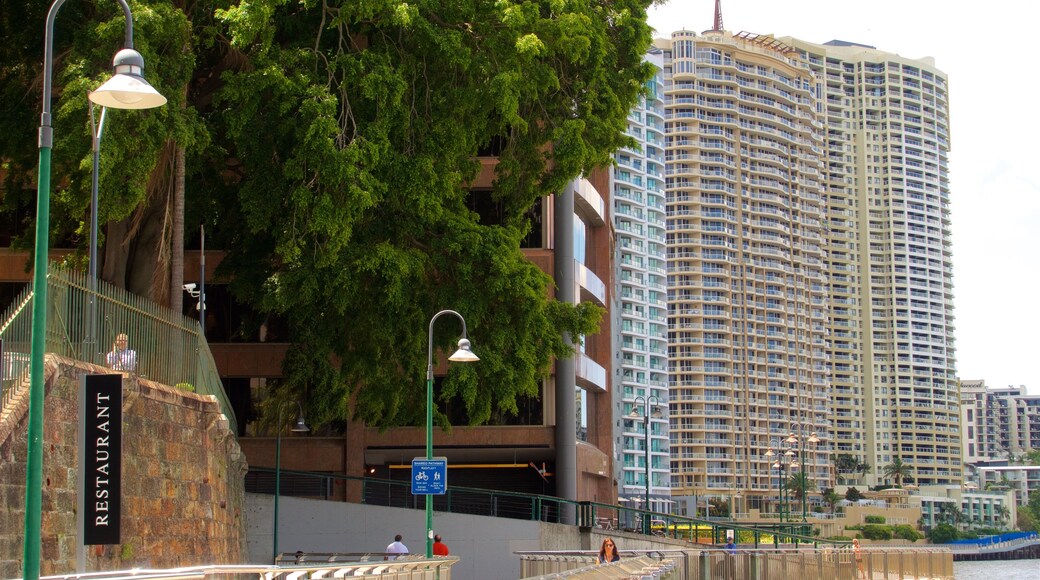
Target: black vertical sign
[(103, 467)]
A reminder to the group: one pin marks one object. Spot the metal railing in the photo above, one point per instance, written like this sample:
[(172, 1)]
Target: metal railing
[(657, 566), (516, 505), (169, 347), (402, 569), (827, 563)]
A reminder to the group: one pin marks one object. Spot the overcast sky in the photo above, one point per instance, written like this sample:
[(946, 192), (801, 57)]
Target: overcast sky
[(988, 50)]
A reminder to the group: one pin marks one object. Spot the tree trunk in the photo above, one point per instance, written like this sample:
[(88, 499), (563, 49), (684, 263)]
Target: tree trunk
[(177, 235)]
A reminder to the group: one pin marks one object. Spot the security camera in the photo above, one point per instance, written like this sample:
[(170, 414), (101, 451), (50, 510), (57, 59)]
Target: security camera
[(189, 287)]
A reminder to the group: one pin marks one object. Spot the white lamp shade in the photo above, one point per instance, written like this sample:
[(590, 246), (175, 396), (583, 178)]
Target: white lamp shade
[(464, 354), (125, 91)]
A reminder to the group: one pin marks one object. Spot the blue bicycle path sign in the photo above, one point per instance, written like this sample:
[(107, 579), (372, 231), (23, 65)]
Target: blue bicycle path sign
[(429, 476)]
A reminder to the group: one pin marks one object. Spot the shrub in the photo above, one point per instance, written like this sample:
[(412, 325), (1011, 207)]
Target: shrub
[(906, 532), (875, 519), (840, 538), (942, 534), (876, 532), (853, 494)]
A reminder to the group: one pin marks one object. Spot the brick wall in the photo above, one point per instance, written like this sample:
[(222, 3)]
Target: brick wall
[(183, 496)]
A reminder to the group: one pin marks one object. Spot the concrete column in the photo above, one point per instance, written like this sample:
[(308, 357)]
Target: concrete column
[(566, 438)]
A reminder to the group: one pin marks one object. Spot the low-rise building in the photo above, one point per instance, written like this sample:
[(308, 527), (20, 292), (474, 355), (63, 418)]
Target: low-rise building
[(1021, 480)]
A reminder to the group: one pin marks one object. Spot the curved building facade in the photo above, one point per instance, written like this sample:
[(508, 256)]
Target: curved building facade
[(747, 290)]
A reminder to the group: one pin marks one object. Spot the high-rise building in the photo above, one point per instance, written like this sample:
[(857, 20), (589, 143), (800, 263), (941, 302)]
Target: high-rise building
[(747, 292), (894, 390), (641, 380), (810, 278)]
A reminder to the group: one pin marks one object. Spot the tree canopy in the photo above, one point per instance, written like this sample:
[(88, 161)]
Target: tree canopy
[(329, 148)]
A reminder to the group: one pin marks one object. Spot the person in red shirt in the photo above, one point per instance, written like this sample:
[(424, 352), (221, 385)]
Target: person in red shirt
[(439, 548)]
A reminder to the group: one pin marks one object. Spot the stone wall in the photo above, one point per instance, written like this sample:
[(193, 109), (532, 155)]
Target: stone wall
[(183, 472)]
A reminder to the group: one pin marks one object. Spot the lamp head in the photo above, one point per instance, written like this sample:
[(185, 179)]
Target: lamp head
[(300, 426), (464, 354), (127, 89), (813, 438), (769, 453)]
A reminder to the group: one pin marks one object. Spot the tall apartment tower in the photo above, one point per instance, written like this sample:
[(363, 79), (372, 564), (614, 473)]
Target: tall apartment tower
[(747, 289), (894, 390), (641, 382)]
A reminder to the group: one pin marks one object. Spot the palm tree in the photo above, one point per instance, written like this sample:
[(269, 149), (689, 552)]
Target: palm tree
[(800, 483), (898, 470), (831, 498), (1003, 514)]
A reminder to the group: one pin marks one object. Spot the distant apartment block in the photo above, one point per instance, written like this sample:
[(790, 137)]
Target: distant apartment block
[(1020, 479), (641, 312), (998, 423)]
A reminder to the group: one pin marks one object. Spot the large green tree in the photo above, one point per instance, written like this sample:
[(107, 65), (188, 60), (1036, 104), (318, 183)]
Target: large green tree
[(330, 146)]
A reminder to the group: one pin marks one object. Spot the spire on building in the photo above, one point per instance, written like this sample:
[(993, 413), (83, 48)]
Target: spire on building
[(718, 16)]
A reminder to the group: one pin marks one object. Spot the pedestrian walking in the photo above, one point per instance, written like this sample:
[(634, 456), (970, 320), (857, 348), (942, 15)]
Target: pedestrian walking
[(439, 547), (396, 549)]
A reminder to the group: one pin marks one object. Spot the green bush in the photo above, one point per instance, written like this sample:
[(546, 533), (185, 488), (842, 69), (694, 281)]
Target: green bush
[(942, 534), (906, 532), (853, 494), (875, 519), (877, 532), (840, 538)]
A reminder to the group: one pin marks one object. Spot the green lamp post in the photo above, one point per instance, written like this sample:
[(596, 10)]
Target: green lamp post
[(127, 89)]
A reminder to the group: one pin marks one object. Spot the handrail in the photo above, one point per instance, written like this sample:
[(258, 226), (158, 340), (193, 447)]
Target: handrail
[(535, 507), (169, 347)]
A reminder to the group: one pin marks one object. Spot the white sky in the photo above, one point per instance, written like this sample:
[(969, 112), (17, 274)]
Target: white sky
[(989, 52)]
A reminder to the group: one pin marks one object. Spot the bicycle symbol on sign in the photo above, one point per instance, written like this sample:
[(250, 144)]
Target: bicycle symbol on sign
[(421, 476)]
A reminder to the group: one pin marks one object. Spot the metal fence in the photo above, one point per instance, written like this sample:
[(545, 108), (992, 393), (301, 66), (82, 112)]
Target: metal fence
[(516, 505), (827, 563), (658, 566), (168, 346), (402, 569)]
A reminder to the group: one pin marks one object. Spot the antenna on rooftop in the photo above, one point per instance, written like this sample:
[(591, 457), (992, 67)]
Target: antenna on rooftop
[(718, 16)]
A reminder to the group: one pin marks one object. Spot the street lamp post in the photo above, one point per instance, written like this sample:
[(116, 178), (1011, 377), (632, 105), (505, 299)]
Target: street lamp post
[(798, 443), (127, 89), (299, 427), (90, 343), (783, 462), (646, 402), (463, 354)]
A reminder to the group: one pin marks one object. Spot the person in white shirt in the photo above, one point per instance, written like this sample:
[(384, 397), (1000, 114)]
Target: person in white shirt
[(121, 358), (396, 549)]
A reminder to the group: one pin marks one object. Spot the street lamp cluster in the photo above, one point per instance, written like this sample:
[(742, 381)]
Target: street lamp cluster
[(788, 456), (647, 414)]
